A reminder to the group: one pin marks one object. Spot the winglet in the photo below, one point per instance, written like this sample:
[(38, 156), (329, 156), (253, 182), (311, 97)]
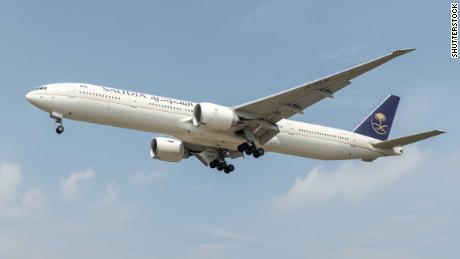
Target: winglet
[(400, 52), (439, 132)]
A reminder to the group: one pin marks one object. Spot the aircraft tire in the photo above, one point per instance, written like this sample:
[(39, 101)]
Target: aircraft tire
[(59, 129)]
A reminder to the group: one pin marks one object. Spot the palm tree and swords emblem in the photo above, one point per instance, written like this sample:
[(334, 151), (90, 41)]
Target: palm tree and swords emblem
[(378, 122)]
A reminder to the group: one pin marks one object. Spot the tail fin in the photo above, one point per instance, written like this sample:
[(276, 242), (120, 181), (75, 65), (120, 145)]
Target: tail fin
[(378, 124)]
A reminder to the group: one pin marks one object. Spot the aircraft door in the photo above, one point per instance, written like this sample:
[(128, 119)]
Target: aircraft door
[(290, 128)]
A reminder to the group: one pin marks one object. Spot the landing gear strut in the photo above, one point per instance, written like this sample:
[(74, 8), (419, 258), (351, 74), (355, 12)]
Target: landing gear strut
[(57, 117)]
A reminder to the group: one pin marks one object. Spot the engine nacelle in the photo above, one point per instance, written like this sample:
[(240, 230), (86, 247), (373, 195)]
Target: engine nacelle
[(167, 149), (214, 116)]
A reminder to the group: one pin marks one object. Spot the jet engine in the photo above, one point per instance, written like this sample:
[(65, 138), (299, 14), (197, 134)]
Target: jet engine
[(214, 116), (167, 149)]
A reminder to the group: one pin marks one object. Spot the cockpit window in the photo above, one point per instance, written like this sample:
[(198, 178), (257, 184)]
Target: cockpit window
[(42, 88)]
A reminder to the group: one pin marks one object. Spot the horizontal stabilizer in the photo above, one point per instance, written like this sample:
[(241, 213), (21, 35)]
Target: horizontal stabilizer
[(398, 142)]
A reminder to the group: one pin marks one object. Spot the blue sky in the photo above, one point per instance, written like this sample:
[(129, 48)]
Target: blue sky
[(94, 192)]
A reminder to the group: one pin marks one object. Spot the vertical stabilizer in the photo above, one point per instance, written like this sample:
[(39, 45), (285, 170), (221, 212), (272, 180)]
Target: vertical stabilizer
[(378, 124)]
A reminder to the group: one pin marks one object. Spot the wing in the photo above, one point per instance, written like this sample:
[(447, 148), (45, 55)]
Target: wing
[(285, 104)]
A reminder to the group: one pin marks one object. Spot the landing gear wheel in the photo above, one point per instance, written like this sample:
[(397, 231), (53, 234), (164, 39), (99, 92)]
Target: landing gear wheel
[(256, 154), (229, 169), (59, 129), (261, 151), (219, 168), (214, 163), (248, 151), (243, 147)]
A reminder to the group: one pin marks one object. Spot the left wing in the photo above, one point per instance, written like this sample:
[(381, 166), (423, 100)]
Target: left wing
[(285, 104)]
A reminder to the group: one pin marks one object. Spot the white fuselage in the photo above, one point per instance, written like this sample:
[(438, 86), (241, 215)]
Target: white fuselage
[(144, 112)]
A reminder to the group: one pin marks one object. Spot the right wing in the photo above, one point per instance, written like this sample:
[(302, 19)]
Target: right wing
[(262, 115), (287, 103)]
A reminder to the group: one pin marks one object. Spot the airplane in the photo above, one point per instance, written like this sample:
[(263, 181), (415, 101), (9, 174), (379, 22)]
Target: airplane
[(212, 133)]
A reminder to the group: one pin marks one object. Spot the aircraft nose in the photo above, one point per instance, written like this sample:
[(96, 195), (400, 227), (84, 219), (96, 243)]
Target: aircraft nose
[(29, 96), (33, 98)]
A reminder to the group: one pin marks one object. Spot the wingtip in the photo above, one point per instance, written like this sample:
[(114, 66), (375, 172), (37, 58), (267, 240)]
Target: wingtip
[(440, 131), (399, 52)]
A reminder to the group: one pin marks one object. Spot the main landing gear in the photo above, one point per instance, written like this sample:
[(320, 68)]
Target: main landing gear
[(57, 117), (251, 149), (220, 165)]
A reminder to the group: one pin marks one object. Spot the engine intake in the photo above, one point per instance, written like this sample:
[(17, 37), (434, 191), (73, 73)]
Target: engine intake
[(167, 149), (214, 116)]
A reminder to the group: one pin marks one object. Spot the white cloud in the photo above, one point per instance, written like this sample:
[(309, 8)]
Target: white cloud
[(397, 236), (13, 203), (111, 195), (73, 186), (352, 180), (10, 178), (211, 249), (108, 211), (31, 203)]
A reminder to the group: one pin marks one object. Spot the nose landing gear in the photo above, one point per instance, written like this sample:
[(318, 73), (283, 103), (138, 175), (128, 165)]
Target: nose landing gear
[(59, 129), (57, 117)]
